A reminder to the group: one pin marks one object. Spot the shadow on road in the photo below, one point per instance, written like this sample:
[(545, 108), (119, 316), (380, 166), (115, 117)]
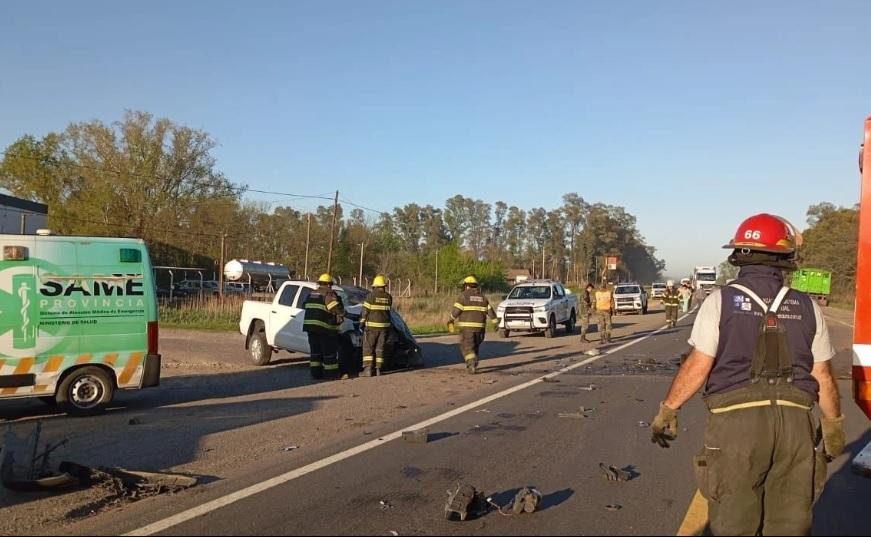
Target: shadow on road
[(845, 500)]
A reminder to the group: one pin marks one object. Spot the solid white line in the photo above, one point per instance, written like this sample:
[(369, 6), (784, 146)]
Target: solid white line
[(234, 497)]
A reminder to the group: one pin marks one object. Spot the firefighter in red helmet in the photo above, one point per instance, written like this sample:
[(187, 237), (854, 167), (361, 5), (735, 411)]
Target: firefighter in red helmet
[(762, 353)]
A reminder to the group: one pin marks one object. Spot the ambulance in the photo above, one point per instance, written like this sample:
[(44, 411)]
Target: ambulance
[(78, 320)]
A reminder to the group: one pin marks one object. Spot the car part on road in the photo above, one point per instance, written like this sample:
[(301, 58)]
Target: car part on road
[(31, 471), (465, 500), (614, 507), (612, 473), (288, 449), (129, 484), (420, 436)]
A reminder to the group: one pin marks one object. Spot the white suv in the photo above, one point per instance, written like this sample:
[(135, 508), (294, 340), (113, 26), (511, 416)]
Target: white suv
[(630, 297)]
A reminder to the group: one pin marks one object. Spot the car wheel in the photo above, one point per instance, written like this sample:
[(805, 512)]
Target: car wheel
[(570, 326), (551, 328), (85, 392), (505, 333), (261, 352)]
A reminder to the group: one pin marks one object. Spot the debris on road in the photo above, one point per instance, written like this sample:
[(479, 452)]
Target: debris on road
[(420, 436), (643, 424), (550, 380), (489, 381), (129, 484), (590, 388), (289, 448), (612, 473), (526, 501), (613, 507), (582, 412), (385, 505), (483, 411), (465, 501), (593, 352)]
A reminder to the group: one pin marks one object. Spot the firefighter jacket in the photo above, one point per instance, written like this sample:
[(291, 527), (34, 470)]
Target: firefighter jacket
[(671, 298), (324, 311), (471, 311), (376, 310)]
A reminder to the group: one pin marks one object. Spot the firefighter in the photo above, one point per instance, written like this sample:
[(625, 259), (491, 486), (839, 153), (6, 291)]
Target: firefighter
[(588, 311), (376, 323), (324, 314), (604, 311), (763, 354), (671, 301), (470, 314), (686, 294)]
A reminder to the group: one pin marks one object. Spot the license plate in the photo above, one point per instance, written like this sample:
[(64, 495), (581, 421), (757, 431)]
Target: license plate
[(356, 340)]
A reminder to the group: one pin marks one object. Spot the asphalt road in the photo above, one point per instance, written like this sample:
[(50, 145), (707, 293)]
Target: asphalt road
[(514, 441)]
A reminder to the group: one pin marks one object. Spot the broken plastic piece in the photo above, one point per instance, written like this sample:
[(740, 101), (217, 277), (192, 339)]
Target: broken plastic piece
[(526, 501), (465, 500), (290, 448), (612, 473), (420, 436)]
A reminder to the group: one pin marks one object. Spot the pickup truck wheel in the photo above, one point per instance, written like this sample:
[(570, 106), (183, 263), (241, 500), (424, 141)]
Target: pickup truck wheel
[(505, 333), (551, 328), (570, 325), (85, 392), (261, 353)]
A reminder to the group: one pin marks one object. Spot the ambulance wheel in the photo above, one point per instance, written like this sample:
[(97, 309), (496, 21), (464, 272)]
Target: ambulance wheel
[(261, 353), (85, 392)]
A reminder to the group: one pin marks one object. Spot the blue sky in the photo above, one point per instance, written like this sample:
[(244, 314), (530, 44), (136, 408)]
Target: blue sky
[(692, 115)]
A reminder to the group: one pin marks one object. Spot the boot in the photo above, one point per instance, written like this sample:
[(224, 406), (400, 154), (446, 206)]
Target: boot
[(317, 373), (377, 371), (472, 367), (367, 371), (584, 338)]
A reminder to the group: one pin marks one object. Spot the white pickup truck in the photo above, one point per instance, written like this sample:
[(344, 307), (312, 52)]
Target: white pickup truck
[(269, 328), (278, 326), (538, 306)]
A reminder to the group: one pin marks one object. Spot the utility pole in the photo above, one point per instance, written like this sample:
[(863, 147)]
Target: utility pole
[(308, 234), (360, 281), (332, 234), (543, 273), (221, 268), (23, 223)]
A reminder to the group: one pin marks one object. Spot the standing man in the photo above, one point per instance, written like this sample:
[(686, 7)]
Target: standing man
[(671, 301), (763, 354), (324, 314), (604, 311), (470, 314), (376, 325), (685, 296), (588, 311)]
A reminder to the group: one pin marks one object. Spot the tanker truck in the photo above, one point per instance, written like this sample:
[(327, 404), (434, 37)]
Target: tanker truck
[(258, 276)]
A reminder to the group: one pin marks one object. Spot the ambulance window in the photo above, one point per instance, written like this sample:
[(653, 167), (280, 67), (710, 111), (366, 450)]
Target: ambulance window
[(287, 295)]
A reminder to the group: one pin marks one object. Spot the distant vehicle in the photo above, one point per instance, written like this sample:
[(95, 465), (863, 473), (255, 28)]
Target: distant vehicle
[(815, 282), (199, 288), (657, 290), (705, 279), (630, 297), (538, 306), (78, 320), (271, 327), (237, 288)]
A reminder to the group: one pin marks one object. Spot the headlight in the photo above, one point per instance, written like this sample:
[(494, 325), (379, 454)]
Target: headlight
[(541, 309)]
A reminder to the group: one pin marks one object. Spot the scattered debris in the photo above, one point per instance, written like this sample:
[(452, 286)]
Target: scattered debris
[(593, 352), (582, 412), (612, 473), (489, 381), (385, 505), (613, 507), (420, 436), (526, 501), (289, 448), (550, 380), (394, 533), (129, 484), (590, 388), (643, 424), (465, 501), (483, 411)]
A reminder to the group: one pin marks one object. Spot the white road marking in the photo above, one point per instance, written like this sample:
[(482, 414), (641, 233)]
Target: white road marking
[(214, 505)]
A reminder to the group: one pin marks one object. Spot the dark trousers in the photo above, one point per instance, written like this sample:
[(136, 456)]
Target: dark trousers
[(759, 469), (671, 313), (373, 347), (324, 361), (470, 345)]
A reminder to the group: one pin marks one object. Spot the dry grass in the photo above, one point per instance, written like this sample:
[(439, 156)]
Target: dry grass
[(429, 315)]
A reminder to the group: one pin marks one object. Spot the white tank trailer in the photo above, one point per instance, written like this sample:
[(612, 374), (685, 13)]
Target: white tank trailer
[(260, 276)]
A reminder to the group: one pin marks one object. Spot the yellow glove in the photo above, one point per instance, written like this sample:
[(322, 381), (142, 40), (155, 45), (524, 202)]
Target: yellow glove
[(451, 326), (834, 439), (664, 426)]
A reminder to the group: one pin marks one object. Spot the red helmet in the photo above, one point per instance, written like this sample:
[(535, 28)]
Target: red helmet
[(766, 233)]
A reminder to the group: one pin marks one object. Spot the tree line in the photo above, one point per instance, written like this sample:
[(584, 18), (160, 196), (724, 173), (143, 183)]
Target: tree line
[(152, 178)]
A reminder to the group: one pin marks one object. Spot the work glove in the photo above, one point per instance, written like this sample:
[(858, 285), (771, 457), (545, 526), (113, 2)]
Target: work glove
[(664, 426), (451, 327), (834, 439)]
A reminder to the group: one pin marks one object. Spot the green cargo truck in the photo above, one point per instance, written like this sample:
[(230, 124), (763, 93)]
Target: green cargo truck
[(815, 282), (78, 320)]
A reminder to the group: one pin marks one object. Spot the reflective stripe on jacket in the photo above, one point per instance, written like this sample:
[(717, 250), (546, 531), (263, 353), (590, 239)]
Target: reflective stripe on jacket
[(471, 311), (376, 310)]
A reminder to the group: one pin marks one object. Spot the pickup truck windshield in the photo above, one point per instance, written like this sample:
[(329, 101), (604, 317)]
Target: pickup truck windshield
[(627, 290), (531, 293)]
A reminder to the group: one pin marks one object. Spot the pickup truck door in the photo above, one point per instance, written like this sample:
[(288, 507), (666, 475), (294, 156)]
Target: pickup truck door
[(559, 304), (283, 316)]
